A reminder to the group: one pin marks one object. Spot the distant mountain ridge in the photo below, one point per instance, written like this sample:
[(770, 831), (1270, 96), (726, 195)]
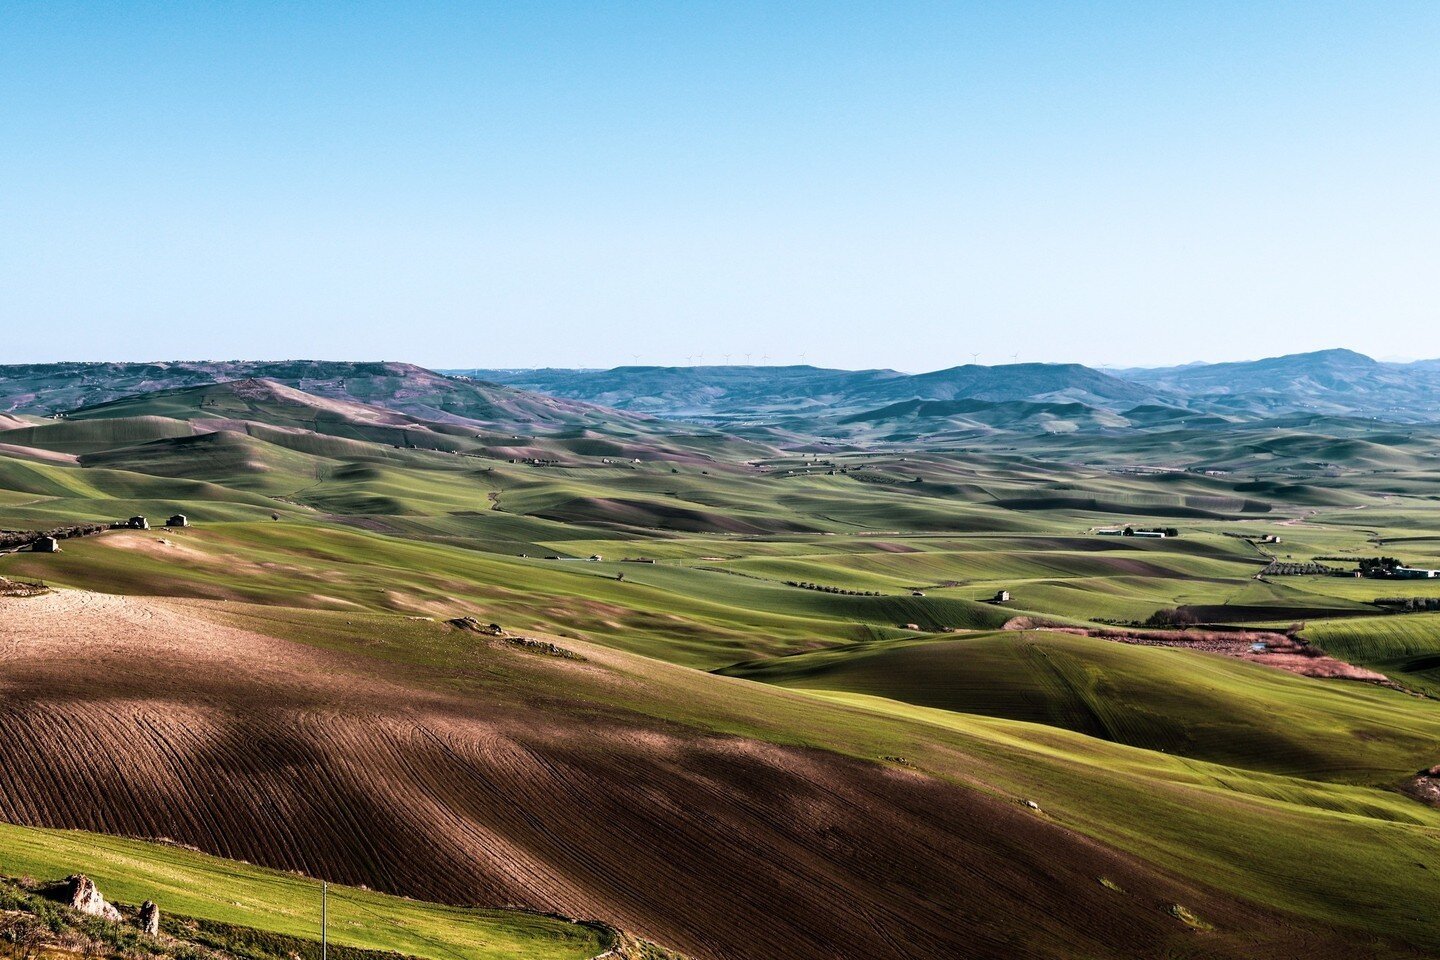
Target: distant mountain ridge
[(1338, 383), (791, 403), (736, 391), (53, 388)]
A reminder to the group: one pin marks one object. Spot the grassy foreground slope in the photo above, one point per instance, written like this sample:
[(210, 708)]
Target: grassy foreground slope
[(196, 885), (717, 816)]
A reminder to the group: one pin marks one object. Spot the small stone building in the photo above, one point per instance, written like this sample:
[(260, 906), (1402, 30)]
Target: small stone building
[(1002, 596), (46, 545), (138, 523), (179, 520)]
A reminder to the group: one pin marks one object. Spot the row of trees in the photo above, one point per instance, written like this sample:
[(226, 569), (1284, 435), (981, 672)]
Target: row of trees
[(1409, 603), (805, 585), (1282, 568), (10, 539)]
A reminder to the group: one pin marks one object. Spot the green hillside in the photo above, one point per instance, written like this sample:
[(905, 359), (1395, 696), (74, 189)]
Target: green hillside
[(759, 671), (1173, 701), (207, 888), (1405, 647)]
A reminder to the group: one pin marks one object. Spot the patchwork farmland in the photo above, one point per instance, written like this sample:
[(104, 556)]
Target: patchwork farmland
[(743, 698)]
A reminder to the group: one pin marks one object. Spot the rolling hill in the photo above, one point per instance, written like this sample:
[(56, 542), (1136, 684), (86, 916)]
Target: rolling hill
[(747, 699), (204, 894), (1176, 701), (418, 758), (1336, 383), (938, 420), (760, 392), (52, 388)]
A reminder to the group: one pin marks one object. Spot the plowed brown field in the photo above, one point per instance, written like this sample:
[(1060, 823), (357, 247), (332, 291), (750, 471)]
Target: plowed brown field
[(148, 718)]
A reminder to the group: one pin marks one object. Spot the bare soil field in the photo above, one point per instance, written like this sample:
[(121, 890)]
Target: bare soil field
[(149, 718)]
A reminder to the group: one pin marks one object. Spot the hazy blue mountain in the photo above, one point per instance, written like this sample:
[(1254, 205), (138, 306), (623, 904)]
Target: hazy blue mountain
[(701, 391), (748, 392), (50, 388), (1334, 383), (1016, 381), (1337, 382)]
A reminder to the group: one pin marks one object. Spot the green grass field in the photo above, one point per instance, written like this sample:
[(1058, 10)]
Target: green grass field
[(208, 888), (1404, 646), (1172, 701)]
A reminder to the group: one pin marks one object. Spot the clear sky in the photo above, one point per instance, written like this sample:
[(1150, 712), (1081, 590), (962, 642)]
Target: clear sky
[(587, 184)]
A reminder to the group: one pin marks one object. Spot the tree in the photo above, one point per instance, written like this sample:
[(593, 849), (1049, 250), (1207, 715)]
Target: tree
[(1379, 566), (1176, 617)]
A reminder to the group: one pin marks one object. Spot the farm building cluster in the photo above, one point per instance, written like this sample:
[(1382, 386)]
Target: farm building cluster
[(1151, 533), (48, 541)]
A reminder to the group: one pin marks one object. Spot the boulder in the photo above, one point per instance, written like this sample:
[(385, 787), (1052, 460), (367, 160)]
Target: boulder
[(85, 897), (150, 918)]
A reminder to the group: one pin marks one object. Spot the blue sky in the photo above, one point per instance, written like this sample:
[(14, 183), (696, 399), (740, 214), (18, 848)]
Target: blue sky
[(587, 184)]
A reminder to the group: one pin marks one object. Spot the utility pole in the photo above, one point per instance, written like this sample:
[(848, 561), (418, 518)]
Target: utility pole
[(324, 941)]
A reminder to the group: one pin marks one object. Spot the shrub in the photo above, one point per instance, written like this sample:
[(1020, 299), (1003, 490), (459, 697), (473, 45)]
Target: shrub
[(1173, 617)]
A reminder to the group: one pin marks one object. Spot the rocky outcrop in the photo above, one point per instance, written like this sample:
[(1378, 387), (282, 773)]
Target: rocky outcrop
[(1425, 786), (85, 897), (21, 588), (475, 626), (149, 918), (628, 947), (543, 646)]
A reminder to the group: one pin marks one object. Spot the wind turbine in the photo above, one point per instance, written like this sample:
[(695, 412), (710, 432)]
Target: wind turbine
[(974, 358)]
